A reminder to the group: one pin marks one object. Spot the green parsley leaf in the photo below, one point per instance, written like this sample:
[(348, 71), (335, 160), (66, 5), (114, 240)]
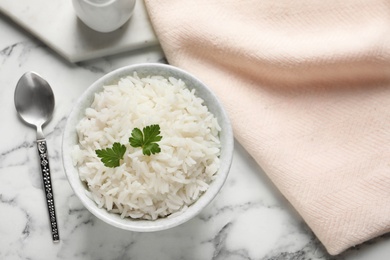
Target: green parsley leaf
[(112, 156), (137, 137), (146, 139)]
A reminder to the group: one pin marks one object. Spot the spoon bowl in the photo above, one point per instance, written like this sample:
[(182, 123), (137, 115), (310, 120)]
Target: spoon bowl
[(34, 102)]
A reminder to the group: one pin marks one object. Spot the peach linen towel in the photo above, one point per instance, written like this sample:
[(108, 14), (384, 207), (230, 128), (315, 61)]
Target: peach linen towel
[(307, 87)]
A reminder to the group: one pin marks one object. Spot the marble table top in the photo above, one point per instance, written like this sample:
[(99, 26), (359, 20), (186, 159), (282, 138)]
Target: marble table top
[(249, 219)]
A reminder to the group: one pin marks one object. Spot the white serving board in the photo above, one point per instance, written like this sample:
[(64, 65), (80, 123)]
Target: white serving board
[(55, 23)]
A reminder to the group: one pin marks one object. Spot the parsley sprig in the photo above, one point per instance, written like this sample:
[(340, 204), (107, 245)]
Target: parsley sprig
[(111, 156), (146, 139)]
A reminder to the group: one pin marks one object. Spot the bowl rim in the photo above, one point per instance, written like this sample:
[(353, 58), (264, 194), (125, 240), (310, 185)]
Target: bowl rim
[(114, 219)]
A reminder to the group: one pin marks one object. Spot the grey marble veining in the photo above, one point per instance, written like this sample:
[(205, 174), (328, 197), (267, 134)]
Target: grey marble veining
[(249, 219)]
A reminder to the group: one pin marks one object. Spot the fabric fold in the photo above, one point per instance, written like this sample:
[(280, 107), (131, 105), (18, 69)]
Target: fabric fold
[(307, 87)]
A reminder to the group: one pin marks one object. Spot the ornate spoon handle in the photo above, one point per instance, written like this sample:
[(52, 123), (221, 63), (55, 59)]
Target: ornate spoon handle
[(44, 159)]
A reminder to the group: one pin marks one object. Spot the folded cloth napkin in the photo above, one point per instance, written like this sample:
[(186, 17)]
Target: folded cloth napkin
[(307, 86)]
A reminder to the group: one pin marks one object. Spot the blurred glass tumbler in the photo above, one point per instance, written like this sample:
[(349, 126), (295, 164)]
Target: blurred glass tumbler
[(104, 15)]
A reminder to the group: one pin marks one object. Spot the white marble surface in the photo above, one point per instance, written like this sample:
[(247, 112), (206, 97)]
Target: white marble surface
[(249, 219), (56, 24)]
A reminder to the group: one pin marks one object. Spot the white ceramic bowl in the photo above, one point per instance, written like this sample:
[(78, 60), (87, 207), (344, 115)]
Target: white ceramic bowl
[(104, 15), (70, 139)]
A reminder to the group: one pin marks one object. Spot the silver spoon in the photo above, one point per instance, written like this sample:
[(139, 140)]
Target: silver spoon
[(34, 102)]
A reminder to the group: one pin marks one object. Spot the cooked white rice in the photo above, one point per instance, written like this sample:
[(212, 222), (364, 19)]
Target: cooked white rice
[(148, 187)]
